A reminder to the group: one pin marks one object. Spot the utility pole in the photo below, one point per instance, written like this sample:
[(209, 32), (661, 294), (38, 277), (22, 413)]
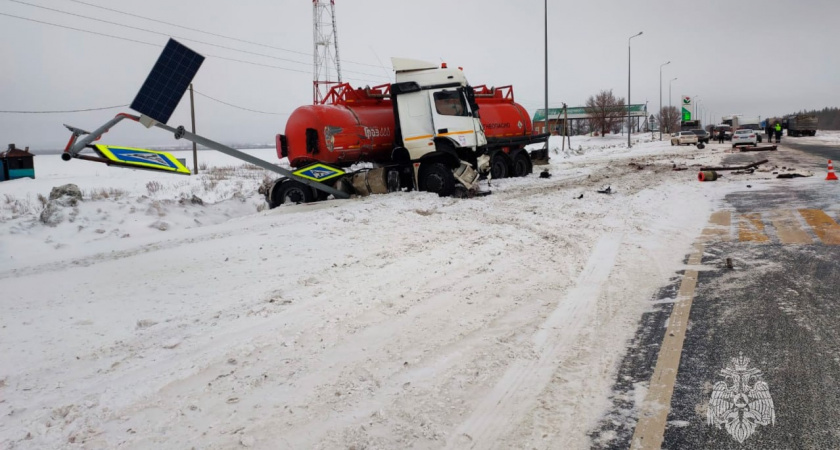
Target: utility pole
[(696, 105), (545, 16), (670, 104), (195, 147), (629, 121), (565, 124), (660, 98)]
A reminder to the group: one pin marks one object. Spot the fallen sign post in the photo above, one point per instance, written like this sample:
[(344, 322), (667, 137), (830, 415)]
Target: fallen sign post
[(750, 166), (759, 148)]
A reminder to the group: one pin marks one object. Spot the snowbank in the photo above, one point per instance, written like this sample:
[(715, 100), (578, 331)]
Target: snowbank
[(144, 320)]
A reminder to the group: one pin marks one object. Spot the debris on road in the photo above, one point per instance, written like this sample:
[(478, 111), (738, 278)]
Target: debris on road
[(790, 172), (707, 175), (748, 166), (608, 190), (759, 148), (545, 174)]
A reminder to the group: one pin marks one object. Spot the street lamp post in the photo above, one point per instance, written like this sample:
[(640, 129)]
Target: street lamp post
[(547, 130), (696, 97), (629, 123), (670, 104), (660, 98)]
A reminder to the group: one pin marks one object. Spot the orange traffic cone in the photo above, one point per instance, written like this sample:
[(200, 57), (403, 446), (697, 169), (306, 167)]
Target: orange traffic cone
[(831, 176)]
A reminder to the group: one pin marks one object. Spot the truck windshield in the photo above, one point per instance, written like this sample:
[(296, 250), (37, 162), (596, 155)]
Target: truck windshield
[(450, 103)]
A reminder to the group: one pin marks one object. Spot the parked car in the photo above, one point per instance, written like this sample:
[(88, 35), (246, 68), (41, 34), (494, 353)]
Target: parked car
[(744, 137), (702, 136), (684, 138), (755, 128)]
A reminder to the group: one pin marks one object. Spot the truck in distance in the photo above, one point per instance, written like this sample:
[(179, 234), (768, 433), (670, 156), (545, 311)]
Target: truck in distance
[(801, 125)]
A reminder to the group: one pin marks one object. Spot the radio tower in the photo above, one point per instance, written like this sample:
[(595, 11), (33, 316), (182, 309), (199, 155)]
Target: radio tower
[(326, 48)]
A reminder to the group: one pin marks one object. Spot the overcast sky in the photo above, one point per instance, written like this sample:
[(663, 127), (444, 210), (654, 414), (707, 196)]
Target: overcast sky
[(752, 57)]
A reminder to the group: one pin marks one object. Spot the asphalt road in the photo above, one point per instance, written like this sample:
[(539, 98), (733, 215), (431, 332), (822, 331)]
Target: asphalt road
[(760, 361), (818, 153)]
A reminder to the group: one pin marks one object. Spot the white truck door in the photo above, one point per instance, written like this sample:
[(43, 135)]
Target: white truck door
[(416, 124)]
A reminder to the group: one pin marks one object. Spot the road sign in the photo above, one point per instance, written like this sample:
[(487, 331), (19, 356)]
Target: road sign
[(167, 82), (686, 108)]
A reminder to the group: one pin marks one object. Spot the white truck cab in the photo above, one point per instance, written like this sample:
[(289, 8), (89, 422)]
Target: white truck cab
[(436, 110)]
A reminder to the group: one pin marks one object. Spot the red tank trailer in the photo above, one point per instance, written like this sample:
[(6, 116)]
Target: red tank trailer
[(357, 125)]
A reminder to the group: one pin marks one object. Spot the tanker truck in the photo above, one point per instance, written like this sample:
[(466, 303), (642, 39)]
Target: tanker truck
[(428, 131)]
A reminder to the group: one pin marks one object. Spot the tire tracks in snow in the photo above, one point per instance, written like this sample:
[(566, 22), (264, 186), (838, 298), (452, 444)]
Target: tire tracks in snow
[(516, 392)]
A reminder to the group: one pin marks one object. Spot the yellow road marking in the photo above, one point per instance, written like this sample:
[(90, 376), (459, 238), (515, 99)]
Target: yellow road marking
[(719, 228), (788, 228), (824, 226), (650, 429), (751, 228)]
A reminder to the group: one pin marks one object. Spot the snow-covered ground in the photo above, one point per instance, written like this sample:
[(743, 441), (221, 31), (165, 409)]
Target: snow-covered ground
[(140, 319), (822, 137)]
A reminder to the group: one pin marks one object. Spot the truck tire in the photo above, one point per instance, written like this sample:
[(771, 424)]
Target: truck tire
[(437, 178), (522, 164), (499, 166), (292, 191)]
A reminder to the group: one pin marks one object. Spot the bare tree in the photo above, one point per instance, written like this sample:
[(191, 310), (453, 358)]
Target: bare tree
[(669, 119), (605, 111), (579, 127)]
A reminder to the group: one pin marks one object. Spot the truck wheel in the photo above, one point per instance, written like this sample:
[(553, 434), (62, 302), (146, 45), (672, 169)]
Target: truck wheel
[(522, 164), (437, 178), (294, 192), (499, 167)]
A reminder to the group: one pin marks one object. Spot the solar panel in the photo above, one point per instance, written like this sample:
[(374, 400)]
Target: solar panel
[(167, 82)]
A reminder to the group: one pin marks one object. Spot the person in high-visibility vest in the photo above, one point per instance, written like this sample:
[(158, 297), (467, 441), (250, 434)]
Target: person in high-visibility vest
[(778, 129)]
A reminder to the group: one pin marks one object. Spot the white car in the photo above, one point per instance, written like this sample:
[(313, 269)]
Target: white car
[(744, 137), (684, 138)]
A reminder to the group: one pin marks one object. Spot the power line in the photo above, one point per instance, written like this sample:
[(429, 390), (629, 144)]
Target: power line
[(177, 37), (79, 29), (65, 111), (156, 45), (208, 32), (239, 107), (123, 106)]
